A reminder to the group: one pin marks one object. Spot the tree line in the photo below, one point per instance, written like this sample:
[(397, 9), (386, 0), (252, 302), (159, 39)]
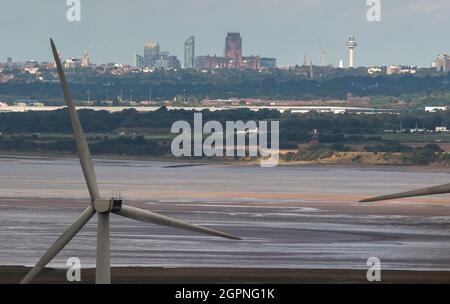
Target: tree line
[(271, 84)]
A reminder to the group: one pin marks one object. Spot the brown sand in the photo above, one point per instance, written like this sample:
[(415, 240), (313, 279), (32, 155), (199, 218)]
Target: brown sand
[(329, 204)]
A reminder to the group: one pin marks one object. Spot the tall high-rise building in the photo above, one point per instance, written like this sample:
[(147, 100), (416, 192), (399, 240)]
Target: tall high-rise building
[(351, 45), (233, 49), (151, 52), (189, 53), (9, 60), (138, 61), (85, 59)]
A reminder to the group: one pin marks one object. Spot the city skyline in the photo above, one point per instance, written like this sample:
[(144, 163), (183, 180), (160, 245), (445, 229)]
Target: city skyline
[(232, 58), (284, 29)]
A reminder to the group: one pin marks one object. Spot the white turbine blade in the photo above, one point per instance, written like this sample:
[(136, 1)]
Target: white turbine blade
[(60, 243), (154, 218), (80, 139), (442, 189)]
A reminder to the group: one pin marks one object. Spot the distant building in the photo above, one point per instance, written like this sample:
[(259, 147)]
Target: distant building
[(233, 58), (85, 59), (161, 62), (174, 63), (251, 62), (441, 129), (268, 63), (200, 62), (189, 53), (216, 62), (71, 63), (32, 64), (166, 62), (211, 62), (374, 70), (151, 52), (154, 58), (31, 70), (442, 63), (417, 130), (435, 109), (408, 70), (233, 49), (393, 70), (138, 61), (9, 61)]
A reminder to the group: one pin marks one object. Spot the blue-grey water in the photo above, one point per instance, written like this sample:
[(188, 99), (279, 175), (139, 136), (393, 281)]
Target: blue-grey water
[(288, 217)]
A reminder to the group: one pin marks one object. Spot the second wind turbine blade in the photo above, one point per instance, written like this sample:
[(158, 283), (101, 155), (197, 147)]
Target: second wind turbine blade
[(442, 189), (154, 218), (80, 139)]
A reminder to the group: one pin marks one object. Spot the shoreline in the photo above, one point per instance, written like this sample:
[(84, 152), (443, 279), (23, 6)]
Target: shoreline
[(159, 275), (239, 163)]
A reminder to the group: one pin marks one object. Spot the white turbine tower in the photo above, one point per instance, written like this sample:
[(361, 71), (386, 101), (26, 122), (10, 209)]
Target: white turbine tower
[(103, 207)]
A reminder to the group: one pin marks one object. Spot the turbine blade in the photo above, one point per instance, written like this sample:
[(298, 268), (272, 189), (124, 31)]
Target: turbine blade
[(80, 139), (60, 243), (154, 218), (420, 192)]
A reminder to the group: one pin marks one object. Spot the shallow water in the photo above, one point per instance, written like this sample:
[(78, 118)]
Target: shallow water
[(289, 217)]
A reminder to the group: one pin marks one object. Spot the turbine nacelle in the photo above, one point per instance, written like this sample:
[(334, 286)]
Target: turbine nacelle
[(102, 205)]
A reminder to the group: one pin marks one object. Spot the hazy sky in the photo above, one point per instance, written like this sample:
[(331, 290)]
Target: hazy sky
[(411, 31)]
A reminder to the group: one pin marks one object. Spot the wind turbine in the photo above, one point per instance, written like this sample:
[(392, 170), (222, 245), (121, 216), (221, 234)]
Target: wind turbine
[(103, 207), (442, 189)]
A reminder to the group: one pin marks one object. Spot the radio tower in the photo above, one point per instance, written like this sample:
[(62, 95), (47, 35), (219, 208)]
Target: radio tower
[(351, 44)]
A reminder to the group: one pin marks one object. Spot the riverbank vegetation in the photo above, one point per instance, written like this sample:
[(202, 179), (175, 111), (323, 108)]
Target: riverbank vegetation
[(381, 138)]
